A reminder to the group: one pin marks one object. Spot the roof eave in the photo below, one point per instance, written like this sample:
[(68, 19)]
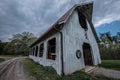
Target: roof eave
[(66, 16)]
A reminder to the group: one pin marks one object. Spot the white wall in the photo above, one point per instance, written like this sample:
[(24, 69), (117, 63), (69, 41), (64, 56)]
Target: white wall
[(73, 39), (56, 64)]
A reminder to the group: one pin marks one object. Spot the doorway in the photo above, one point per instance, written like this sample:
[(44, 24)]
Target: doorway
[(87, 54)]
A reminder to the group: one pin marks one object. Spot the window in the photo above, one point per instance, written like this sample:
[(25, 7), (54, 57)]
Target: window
[(33, 51), (41, 50), (51, 49), (36, 51), (82, 20)]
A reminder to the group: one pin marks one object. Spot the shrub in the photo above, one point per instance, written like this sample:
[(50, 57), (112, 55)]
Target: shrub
[(110, 52)]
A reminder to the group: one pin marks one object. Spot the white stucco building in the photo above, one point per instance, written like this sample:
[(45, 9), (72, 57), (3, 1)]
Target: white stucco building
[(69, 44)]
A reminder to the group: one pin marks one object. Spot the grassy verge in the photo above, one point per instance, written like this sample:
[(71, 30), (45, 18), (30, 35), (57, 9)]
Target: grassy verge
[(8, 55), (38, 72), (2, 59), (112, 64)]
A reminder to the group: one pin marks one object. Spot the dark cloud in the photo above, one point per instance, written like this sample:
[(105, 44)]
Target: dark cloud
[(37, 15), (105, 11)]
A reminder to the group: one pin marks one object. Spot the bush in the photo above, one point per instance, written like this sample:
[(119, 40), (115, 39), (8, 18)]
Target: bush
[(110, 52)]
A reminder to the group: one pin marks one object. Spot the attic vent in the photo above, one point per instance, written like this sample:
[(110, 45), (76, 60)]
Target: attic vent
[(82, 21)]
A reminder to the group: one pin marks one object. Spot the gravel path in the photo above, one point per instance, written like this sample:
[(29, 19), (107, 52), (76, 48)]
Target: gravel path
[(106, 72), (12, 70)]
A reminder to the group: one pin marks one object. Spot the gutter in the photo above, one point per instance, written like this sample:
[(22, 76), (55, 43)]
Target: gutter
[(62, 59)]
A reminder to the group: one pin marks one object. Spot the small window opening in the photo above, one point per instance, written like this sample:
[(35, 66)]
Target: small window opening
[(36, 51), (82, 20), (51, 49), (41, 50), (33, 51)]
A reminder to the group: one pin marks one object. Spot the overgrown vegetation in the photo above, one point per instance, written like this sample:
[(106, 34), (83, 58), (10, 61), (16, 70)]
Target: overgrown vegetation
[(109, 46), (2, 59), (112, 64), (18, 44), (38, 72), (111, 52)]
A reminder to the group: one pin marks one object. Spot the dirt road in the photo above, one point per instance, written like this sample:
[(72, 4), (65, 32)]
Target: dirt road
[(12, 69), (106, 72)]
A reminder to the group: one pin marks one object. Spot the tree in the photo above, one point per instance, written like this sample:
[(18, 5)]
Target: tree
[(106, 38), (108, 49), (2, 45), (118, 37), (19, 43)]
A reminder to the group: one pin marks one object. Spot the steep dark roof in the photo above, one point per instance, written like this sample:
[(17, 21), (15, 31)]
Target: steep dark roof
[(86, 8)]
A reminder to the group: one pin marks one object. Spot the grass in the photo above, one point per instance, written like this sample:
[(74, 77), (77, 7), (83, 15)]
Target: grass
[(111, 64), (38, 72), (2, 59)]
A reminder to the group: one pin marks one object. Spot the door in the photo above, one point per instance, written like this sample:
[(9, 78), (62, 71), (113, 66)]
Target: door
[(87, 54)]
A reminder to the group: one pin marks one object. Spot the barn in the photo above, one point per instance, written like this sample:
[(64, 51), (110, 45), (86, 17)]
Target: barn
[(70, 43)]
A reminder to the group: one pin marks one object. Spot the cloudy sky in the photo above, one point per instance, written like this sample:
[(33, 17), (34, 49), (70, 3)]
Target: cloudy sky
[(36, 16)]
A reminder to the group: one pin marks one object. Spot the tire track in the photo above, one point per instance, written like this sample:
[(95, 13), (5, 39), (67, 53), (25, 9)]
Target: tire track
[(8, 73), (12, 70), (5, 66)]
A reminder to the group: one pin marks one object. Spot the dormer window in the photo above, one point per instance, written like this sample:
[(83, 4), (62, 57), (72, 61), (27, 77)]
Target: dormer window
[(82, 21)]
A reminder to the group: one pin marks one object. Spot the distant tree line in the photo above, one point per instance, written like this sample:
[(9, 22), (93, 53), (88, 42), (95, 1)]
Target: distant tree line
[(18, 44), (107, 38), (109, 46)]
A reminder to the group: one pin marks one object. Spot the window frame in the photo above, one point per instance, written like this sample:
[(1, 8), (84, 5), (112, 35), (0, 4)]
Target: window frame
[(33, 51), (53, 57), (36, 50), (40, 49)]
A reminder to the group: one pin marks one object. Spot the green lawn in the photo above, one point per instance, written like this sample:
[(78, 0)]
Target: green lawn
[(112, 64), (38, 72), (2, 59)]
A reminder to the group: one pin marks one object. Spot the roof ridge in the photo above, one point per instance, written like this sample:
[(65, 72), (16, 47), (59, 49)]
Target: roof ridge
[(61, 20)]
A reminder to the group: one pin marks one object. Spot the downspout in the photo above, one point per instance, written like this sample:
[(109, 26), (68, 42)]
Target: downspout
[(62, 59)]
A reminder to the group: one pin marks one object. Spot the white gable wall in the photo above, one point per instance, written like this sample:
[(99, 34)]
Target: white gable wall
[(73, 39), (94, 46)]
